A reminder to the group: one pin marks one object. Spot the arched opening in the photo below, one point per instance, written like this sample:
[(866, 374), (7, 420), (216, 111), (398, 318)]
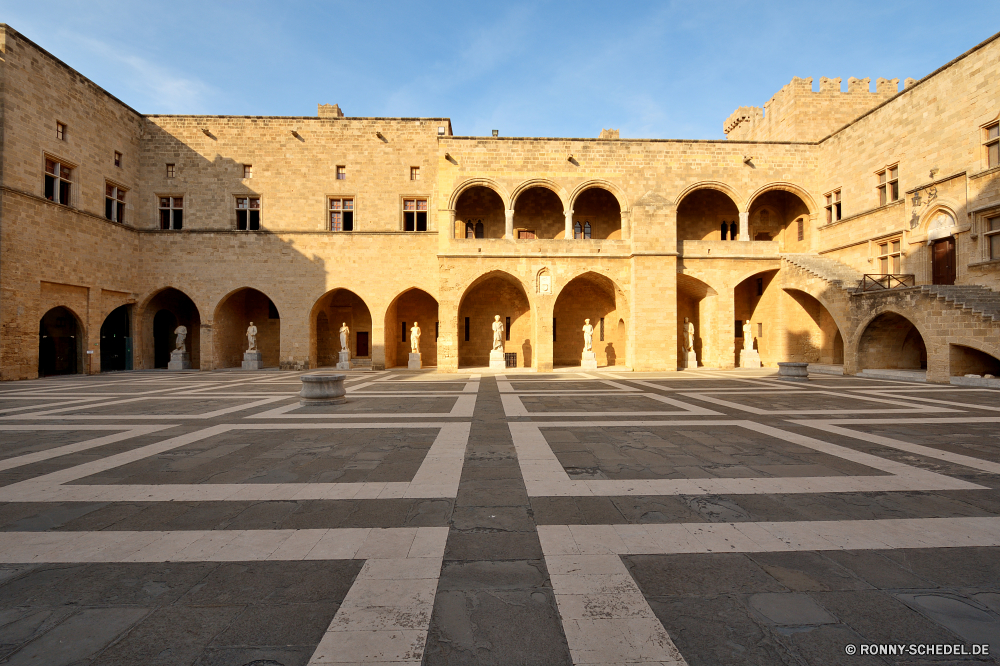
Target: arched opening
[(538, 213), (891, 341), (479, 213), (494, 294), (704, 213), (779, 215), (162, 315), (412, 306), (965, 360), (599, 210), (696, 301), (333, 310), (594, 297), (811, 334), (116, 340), (60, 343), (232, 318), (757, 299)]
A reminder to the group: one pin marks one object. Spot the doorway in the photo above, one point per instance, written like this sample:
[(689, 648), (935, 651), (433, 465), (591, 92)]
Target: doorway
[(362, 348), (943, 261), (116, 340), (164, 324), (60, 344)]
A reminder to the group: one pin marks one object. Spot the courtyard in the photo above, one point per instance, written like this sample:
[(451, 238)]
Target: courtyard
[(701, 517)]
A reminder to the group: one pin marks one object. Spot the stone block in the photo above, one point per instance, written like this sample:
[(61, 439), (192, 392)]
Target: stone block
[(589, 361), (497, 361), (750, 358), (253, 360), (692, 360), (179, 360), (344, 361), (414, 362)]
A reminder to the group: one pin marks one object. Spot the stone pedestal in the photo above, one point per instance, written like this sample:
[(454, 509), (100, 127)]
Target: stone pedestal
[(414, 362), (692, 360), (496, 360), (344, 362), (253, 360), (589, 361), (750, 358), (323, 389), (179, 360), (793, 372)]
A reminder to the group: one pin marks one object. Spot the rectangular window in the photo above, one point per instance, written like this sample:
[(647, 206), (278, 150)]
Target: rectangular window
[(993, 145), (602, 329), (801, 229), (833, 212), (760, 286), (466, 329), (760, 329), (414, 214), (993, 236), (58, 181), (248, 213), (506, 330), (739, 328), (341, 214), (414, 173), (888, 257), (248, 171), (526, 233), (404, 331), (171, 171), (114, 203), (171, 212), (553, 329), (888, 185), (341, 173), (61, 131), (118, 159)]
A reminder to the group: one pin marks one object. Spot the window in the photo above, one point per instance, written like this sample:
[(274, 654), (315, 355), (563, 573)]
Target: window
[(725, 228), (341, 214), (888, 185), (58, 181), (993, 236), (414, 173), (466, 329), (248, 171), (733, 231), (888, 257), (118, 159), (404, 331), (475, 230), (526, 234), (171, 171), (61, 131), (760, 286), (341, 173), (801, 229), (414, 213), (602, 329), (248, 213), (586, 229), (114, 203), (993, 145), (833, 207), (171, 212), (506, 329)]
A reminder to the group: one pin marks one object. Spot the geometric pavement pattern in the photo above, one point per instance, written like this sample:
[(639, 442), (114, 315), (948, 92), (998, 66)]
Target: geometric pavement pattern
[(703, 517)]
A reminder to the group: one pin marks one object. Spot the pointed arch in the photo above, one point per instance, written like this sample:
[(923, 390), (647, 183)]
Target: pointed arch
[(600, 184), (61, 342), (545, 183), (716, 185), (334, 308), (495, 293), (155, 338), (783, 186), (595, 296), (233, 315), (413, 305)]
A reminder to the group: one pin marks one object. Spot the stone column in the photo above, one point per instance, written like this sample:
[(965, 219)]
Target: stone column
[(449, 216), (542, 309), (207, 344), (625, 229), (744, 226), (569, 224), (508, 230), (447, 343)]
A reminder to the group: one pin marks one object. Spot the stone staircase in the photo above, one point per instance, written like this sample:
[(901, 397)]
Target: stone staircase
[(831, 270), (980, 300)]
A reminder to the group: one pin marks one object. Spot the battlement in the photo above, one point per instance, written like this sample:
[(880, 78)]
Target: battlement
[(329, 111), (798, 113)]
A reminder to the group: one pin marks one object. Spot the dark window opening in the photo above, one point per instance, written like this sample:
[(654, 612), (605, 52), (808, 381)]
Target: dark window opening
[(470, 230), (739, 328), (414, 215), (760, 286), (272, 311), (466, 329), (341, 214), (801, 229), (733, 229), (506, 330), (248, 213), (602, 329), (725, 228), (553, 329), (171, 212), (114, 203), (404, 331), (586, 229), (480, 230)]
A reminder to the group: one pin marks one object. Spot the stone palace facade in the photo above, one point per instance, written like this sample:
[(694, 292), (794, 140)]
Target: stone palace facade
[(849, 227)]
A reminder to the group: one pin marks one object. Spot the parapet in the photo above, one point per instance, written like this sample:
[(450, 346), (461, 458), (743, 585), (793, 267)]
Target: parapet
[(608, 134), (330, 111)]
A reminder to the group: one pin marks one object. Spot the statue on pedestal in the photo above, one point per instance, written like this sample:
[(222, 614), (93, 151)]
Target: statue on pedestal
[(344, 332), (251, 338), (688, 335), (497, 334), (588, 336), (747, 336), (415, 339), (181, 333)]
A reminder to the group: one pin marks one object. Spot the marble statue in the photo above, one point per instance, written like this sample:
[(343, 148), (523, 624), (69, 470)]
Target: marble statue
[(497, 334), (415, 339), (344, 332), (588, 336), (251, 337), (747, 336), (688, 335), (181, 332)]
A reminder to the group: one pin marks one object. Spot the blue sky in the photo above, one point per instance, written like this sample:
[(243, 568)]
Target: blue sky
[(656, 70)]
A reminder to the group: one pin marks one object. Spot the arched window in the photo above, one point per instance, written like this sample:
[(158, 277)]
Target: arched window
[(577, 230), (479, 229), (725, 227), (586, 229), (470, 230), (733, 231)]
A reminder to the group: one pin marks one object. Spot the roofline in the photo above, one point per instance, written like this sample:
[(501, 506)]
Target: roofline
[(556, 138)]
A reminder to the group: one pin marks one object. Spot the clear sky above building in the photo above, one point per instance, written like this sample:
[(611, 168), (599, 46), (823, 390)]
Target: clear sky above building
[(650, 69)]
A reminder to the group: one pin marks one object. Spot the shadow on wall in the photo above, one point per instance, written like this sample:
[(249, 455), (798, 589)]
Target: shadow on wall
[(968, 361), (812, 335), (891, 341)]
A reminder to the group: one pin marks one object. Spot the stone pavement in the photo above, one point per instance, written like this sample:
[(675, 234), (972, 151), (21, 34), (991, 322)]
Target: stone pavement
[(703, 517)]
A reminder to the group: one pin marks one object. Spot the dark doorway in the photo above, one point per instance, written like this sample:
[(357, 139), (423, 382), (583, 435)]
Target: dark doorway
[(116, 340), (164, 324), (362, 344), (60, 342), (943, 260)]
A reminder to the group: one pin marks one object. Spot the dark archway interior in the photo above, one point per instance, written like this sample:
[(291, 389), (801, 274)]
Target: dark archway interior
[(701, 213), (589, 296), (891, 342), (774, 216), (165, 312), (494, 295), (477, 206), (232, 318), (538, 213), (116, 340), (968, 361), (60, 343), (415, 305), (338, 307), (601, 210)]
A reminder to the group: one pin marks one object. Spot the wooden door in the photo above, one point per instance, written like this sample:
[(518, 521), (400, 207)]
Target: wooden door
[(362, 344), (943, 261)]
